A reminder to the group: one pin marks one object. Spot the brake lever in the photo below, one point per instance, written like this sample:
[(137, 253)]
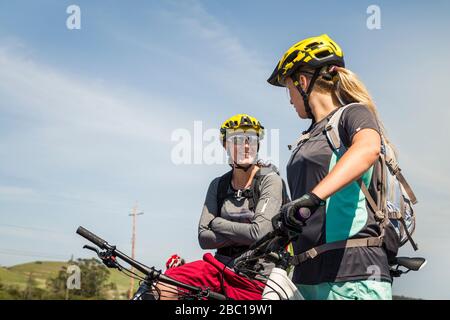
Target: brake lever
[(107, 257), (92, 249)]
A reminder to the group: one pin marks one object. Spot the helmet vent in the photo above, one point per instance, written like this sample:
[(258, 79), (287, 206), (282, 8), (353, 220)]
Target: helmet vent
[(323, 54), (311, 45), (291, 57)]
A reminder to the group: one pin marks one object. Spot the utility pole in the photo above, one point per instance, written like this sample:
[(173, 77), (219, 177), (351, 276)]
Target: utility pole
[(134, 213), (29, 287)]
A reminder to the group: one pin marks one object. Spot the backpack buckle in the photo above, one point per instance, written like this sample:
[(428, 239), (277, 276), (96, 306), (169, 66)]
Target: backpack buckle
[(393, 166), (311, 253), (379, 214), (304, 137)]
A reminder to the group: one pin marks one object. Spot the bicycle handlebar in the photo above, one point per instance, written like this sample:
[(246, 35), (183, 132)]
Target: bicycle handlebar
[(151, 273)]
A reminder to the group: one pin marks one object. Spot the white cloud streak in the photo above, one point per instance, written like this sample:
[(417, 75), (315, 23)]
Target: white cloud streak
[(67, 101)]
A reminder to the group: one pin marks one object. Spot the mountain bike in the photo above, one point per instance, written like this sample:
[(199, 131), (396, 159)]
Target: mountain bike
[(271, 248)]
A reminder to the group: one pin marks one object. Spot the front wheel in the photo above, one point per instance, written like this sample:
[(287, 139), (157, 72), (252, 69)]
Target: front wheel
[(280, 287)]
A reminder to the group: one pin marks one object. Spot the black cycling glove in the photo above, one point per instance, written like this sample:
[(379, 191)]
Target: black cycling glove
[(295, 213)]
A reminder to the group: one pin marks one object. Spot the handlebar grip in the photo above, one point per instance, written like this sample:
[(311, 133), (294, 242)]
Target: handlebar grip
[(99, 242)]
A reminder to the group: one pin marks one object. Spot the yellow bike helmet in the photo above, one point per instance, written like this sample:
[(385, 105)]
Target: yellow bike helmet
[(314, 52), (242, 122), (318, 53)]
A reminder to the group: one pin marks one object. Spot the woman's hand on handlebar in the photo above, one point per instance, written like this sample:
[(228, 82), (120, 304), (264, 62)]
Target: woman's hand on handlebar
[(295, 213)]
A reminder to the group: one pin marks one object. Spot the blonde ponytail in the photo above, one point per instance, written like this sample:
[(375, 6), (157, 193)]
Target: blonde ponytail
[(345, 87), (349, 88)]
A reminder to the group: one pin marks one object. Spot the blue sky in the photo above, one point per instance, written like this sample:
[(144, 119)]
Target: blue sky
[(86, 116)]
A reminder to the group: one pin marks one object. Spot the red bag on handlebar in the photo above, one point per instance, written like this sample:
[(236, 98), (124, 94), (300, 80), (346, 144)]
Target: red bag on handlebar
[(209, 272)]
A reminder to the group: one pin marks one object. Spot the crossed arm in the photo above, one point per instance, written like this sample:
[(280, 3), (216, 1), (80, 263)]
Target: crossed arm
[(216, 232)]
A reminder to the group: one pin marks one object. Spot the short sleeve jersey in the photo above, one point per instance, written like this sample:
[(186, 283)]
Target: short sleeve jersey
[(346, 214)]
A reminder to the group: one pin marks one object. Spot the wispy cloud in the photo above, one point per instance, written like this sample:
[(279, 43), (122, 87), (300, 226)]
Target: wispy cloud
[(205, 43), (230, 50), (13, 191), (68, 101)]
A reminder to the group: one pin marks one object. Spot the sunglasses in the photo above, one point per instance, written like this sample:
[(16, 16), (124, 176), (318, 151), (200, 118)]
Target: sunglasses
[(242, 139)]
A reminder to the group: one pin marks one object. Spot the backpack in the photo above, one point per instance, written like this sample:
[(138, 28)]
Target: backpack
[(253, 193), (394, 211)]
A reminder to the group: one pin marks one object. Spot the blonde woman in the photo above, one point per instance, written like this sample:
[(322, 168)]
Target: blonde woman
[(329, 206)]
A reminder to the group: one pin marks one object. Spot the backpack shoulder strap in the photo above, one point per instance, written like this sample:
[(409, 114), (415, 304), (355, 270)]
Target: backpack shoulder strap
[(332, 133), (395, 170), (332, 129), (256, 186), (222, 190), (255, 193)]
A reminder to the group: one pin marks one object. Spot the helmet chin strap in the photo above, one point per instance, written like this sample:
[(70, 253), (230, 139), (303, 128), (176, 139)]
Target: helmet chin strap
[(305, 95), (235, 165)]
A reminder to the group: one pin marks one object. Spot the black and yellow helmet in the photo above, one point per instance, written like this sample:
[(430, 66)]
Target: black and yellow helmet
[(314, 52), (241, 122)]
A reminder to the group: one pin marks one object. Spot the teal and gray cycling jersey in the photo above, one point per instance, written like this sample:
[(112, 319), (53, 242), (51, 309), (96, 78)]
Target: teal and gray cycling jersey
[(237, 225), (346, 214)]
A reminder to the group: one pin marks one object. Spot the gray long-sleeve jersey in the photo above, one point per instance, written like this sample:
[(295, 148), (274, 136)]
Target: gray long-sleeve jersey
[(237, 225)]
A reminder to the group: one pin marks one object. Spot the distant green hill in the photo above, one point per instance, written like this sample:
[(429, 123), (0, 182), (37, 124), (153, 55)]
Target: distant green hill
[(9, 277), (41, 271)]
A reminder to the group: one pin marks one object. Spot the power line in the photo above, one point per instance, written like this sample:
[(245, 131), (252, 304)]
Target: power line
[(31, 228), (33, 254), (27, 255)]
